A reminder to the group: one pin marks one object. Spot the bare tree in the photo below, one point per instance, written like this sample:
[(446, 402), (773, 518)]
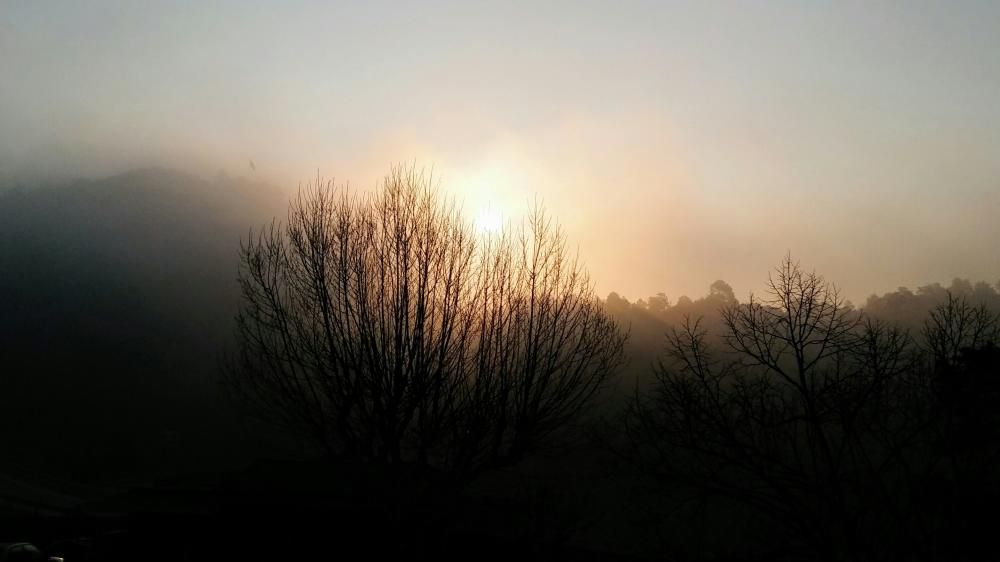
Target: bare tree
[(382, 327), (956, 326), (801, 419), (963, 360)]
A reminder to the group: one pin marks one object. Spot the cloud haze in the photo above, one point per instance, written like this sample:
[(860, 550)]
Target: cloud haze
[(679, 144)]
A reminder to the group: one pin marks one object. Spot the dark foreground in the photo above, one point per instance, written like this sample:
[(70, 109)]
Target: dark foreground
[(293, 511)]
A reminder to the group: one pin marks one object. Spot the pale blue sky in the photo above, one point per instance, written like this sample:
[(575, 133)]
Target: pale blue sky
[(678, 142)]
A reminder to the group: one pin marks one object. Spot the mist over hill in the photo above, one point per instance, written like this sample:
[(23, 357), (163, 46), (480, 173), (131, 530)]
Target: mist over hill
[(117, 305), (116, 297)]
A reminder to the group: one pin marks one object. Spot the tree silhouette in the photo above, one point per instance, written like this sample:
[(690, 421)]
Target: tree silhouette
[(961, 345), (804, 418), (723, 291), (956, 326), (381, 327)]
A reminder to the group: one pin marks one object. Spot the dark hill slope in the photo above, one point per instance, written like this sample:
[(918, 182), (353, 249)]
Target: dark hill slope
[(116, 301)]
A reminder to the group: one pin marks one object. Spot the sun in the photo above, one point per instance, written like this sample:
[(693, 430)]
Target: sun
[(489, 220), (490, 188)]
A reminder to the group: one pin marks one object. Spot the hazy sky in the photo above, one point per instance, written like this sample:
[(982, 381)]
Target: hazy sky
[(678, 143)]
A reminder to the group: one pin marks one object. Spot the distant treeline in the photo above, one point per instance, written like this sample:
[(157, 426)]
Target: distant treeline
[(904, 306), (650, 318)]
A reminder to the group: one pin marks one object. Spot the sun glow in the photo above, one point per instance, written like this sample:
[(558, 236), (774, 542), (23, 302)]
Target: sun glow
[(489, 220), (487, 190)]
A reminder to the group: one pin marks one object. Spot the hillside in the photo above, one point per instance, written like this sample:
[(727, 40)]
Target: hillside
[(121, 291)]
